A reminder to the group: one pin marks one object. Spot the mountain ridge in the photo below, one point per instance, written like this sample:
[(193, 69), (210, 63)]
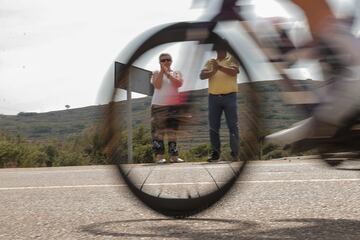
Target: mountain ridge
[(62, 124)]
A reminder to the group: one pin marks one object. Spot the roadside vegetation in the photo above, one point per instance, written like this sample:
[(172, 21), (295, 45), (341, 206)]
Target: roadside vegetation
[(71, 137), (88, 148)]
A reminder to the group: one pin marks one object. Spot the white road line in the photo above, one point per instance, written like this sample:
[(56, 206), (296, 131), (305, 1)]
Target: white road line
[(40, 171), (302, 180), (175, 184), (163, 167), (60, 187)]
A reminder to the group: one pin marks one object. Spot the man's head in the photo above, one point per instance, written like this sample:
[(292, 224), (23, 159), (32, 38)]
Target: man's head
[(165, 59), (221, 48)]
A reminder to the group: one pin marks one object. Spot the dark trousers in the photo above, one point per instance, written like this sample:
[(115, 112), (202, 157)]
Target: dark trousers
[(217, 105), (164, 121)]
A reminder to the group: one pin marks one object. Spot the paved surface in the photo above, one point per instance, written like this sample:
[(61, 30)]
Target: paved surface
[(297, 199)]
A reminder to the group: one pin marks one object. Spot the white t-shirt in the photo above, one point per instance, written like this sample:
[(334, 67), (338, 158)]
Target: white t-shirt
[(168, 94)]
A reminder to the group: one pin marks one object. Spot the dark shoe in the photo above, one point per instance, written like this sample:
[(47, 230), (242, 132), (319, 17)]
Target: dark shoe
[(214, 157), (234, 157)]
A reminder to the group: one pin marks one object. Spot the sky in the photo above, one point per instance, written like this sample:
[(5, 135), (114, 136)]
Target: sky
[(56, 52)]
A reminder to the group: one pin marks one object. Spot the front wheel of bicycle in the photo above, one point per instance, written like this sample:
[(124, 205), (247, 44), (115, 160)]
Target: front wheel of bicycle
[(177, 190)]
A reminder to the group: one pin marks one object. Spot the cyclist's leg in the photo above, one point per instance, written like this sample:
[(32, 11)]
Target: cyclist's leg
[(318, 14)]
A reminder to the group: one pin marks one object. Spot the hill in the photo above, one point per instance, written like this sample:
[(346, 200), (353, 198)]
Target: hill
[(67, 123)]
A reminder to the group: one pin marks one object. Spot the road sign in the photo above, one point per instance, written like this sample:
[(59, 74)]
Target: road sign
[(139, 78)]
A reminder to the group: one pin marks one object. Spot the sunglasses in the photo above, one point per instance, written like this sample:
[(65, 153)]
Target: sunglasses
[(165, 60)]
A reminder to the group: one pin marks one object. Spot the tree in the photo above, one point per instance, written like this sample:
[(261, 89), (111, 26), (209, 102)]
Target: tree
[(67, 106)]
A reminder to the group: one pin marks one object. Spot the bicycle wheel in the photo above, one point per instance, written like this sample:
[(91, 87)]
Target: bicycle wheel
[(177, 190)]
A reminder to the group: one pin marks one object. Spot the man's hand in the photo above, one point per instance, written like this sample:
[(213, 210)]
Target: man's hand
[(211, 69), (232, 71), (164, 68), (214, 64)]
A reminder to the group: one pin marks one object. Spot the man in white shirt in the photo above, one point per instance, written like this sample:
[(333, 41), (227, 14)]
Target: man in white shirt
[(164, 109)]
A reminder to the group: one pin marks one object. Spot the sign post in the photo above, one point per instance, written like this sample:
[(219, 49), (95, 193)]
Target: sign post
[(138, 81), (129, 121)]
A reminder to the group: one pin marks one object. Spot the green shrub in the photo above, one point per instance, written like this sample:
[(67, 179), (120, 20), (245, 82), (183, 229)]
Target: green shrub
[(143, 153), (276, 154), (68, 158), (9, 154), (51, 152), (34, 158), (267, 148), (200, 151)]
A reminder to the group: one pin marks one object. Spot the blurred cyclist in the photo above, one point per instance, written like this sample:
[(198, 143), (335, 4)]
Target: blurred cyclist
[(341, 51)]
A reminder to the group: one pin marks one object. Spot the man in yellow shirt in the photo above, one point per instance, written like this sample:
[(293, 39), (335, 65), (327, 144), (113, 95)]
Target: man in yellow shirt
[(221, 73)]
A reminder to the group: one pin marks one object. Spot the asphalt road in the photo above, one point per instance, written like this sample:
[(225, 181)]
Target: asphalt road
[(279, 199)]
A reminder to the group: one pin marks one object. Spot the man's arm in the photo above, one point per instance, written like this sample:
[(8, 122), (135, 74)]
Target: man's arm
[(176, 79), (231, 67), (208, 73), (232, 71), (157, 79)]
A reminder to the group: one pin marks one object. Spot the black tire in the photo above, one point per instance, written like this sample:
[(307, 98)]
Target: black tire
[(182, 207), (333, 159), (334, 163), (343, 146)]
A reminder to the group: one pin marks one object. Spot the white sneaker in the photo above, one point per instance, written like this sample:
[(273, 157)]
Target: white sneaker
[(308, 128), (177, 160), (163, 160), (288, 136)]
